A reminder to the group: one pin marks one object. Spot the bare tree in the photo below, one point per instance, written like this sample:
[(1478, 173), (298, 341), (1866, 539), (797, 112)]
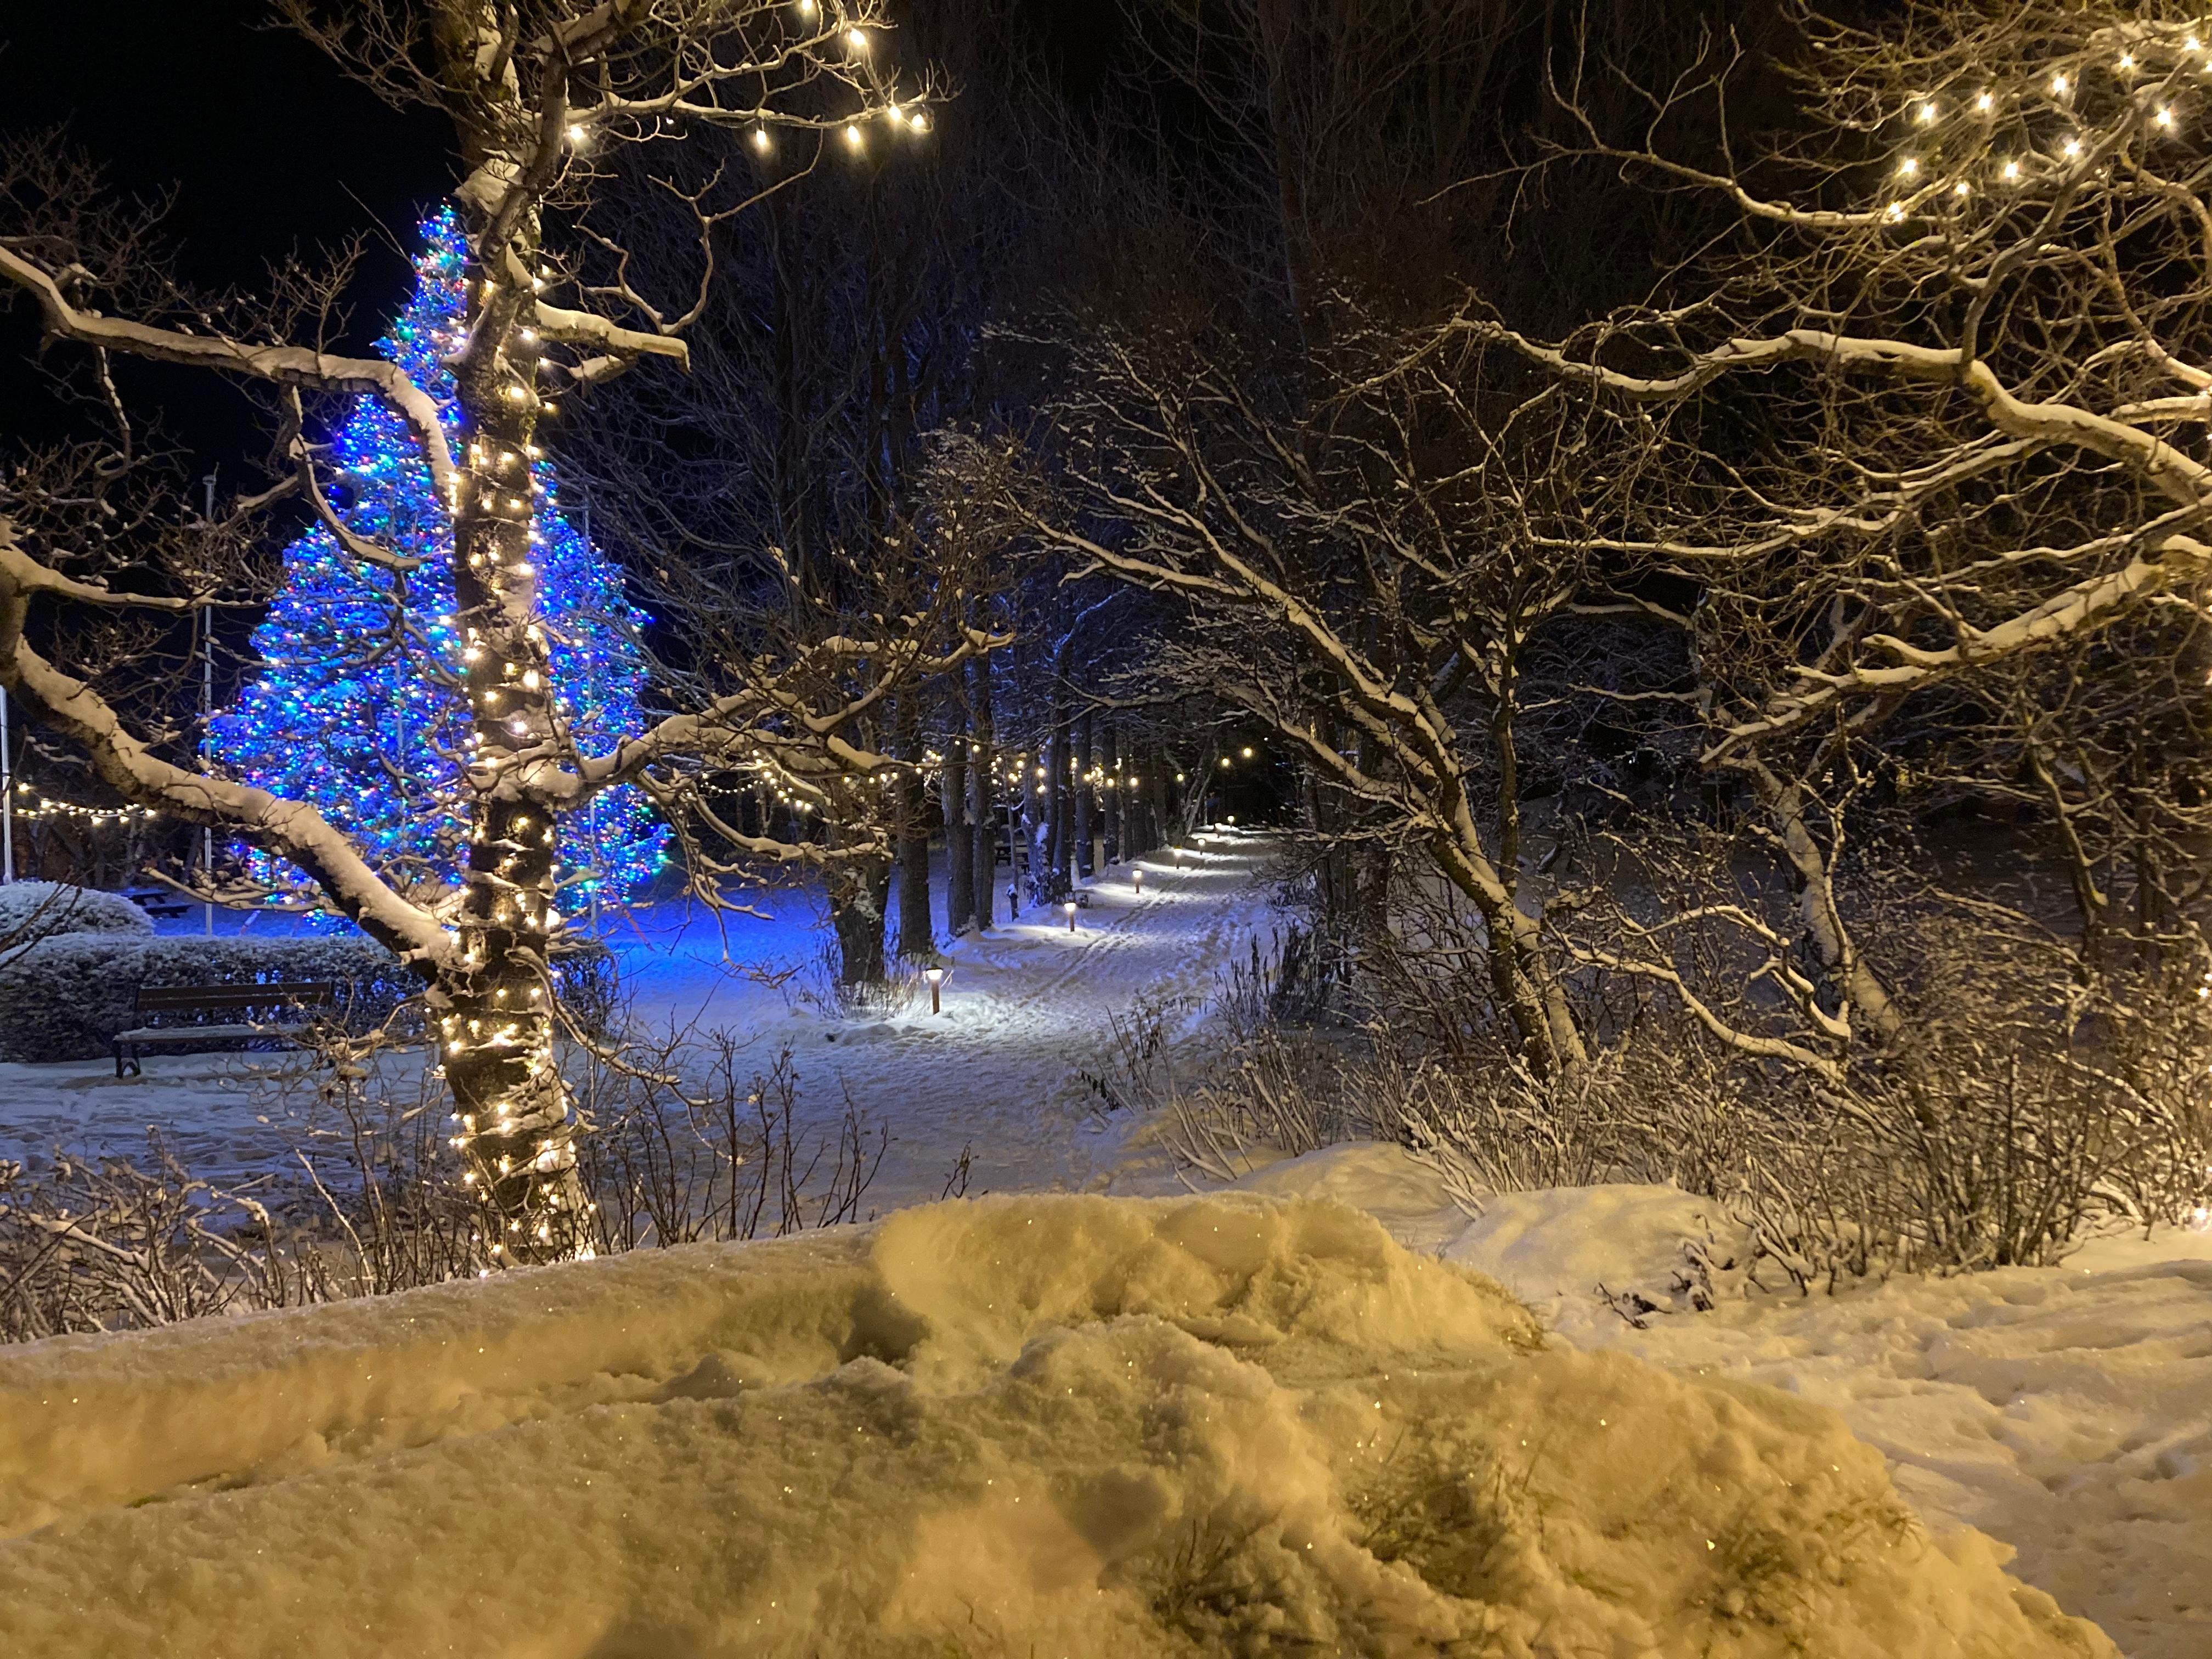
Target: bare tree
[(541, 96), (1927, 465)]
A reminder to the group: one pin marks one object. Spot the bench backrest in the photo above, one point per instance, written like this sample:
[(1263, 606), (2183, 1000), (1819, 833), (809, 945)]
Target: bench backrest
[(310, 993)]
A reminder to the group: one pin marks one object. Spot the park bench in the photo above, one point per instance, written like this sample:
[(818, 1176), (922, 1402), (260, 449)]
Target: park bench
[(280, 1005)]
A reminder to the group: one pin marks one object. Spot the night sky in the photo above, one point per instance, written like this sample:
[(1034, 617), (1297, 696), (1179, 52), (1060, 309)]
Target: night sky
[(265, 145), (269, 148)]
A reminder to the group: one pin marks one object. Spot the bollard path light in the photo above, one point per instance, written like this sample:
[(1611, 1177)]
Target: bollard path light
[(1070, 908), (936, 978), (1137, 880)]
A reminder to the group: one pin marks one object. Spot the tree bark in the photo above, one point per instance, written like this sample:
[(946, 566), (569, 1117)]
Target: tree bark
[(1085, 853), (917, 934), (959, 840), (1110, 758), (982, 776)]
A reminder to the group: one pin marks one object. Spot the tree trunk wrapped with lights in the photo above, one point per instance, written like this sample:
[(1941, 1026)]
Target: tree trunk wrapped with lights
[(536, 95)]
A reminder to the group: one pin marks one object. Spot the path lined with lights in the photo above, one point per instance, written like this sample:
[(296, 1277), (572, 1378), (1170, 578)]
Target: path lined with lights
[(1028, 1009)]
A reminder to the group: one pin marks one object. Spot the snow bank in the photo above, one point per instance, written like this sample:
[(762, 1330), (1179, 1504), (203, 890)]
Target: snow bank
[(1556, 1247), (2064, 1411), (1070, 1425), (40, 909)]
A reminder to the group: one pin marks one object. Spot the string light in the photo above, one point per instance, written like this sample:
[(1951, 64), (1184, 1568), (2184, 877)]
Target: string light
[(360, 740)]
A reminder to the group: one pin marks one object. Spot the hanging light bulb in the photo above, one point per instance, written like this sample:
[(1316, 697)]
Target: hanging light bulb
[(1985, 102), (761, 140), (1927, 112)]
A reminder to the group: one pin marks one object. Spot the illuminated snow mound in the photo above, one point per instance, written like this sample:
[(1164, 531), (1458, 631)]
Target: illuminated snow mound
[(1065, 1426)]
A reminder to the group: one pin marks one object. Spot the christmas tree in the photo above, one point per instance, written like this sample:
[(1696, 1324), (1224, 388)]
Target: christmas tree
[(358, 709)]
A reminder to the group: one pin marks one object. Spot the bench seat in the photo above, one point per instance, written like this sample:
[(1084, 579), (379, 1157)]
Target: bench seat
[(146, 1036), (203, 998)]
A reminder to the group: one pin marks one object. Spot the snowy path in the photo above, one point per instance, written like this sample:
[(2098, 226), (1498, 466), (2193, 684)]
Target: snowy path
[(1027, 1008)]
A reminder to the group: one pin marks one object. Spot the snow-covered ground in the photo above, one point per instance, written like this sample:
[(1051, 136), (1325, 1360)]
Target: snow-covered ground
[(845, 1439), (1072, 1424), (2066, 1412), (1026, 1011)]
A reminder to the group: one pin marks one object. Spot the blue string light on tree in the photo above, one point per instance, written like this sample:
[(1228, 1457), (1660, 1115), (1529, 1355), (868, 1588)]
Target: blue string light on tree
[(358, 709)]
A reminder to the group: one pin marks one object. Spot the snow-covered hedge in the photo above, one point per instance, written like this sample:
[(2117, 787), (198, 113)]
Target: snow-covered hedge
[(38, 909), (65, 997)]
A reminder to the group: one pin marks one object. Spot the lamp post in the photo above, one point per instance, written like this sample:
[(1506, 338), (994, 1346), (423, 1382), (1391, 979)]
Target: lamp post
[(1137, 881), (936, 978), (1070, 908)]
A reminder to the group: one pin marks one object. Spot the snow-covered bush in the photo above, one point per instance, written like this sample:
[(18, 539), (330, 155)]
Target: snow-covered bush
[(66, 998), (115, 1246), (119, 1244), (37, 909)]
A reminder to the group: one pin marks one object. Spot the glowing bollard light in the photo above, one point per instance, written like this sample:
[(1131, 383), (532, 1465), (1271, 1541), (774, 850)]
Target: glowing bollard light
[(936, 978), (1137, 880), (1070, 908)]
